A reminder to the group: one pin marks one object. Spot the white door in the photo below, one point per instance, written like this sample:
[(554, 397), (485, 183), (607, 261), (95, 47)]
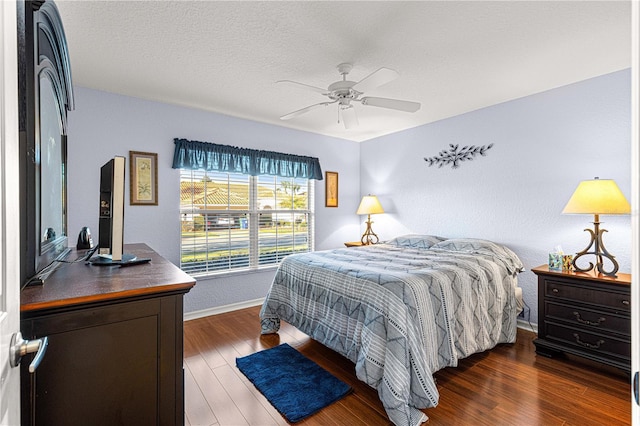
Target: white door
[(9, 213), (635, 210)]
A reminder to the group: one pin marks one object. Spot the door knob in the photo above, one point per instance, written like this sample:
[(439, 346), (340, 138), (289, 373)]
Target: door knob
[(20, 347)]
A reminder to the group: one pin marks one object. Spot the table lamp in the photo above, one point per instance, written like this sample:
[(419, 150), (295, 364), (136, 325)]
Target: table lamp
[(369, 205), (597, 196)]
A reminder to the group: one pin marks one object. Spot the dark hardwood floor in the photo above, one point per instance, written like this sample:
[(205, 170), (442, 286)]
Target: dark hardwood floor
[(508, 385)]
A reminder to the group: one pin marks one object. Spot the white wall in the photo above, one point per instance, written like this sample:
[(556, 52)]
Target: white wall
[(544, 145), (105, 124)]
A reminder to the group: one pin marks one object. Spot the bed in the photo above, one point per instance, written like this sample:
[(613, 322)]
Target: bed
[(400, 310)]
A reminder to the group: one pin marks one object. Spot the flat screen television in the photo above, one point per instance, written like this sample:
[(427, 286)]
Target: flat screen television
[(111, 220)]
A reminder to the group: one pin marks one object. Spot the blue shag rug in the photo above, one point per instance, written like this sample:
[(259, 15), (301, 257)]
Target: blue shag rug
[(295, 385)]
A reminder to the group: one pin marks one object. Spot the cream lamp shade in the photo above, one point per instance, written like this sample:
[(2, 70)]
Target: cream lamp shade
[(370, 205), (596, 197)]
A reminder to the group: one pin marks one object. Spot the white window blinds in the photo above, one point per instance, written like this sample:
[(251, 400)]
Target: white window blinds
[(234, 221)]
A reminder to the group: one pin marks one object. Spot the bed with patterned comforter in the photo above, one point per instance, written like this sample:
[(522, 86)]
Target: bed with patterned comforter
[(401, 310)]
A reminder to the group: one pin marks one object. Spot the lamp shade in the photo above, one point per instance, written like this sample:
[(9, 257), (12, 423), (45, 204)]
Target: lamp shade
[(598, 196), (370, 205)]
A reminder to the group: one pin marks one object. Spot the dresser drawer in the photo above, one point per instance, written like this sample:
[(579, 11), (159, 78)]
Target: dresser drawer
[(599, 297), (586, 341), (595, 320)]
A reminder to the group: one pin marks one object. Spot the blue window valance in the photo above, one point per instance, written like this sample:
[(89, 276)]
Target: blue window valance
[(208, 156)]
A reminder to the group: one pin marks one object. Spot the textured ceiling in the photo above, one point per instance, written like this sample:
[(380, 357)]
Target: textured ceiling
[(453, 57)]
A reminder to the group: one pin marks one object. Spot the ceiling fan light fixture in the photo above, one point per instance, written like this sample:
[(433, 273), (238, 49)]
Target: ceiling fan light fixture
[(344, 91), (349, 117)]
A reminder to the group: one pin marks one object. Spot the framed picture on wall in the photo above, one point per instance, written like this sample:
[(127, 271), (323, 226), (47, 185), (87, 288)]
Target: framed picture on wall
[(331, 189), (143, 168)]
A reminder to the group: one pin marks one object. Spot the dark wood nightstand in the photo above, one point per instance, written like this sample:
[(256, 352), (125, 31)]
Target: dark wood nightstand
[(585, 314), (354, 244)]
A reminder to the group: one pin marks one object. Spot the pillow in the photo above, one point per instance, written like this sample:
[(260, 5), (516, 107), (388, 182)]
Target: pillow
[(415, 241), (471, 245)]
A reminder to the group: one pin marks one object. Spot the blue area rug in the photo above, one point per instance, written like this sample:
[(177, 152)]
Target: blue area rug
[(296, 386)]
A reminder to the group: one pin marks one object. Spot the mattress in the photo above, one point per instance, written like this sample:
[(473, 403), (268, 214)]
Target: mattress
[(401, 310)]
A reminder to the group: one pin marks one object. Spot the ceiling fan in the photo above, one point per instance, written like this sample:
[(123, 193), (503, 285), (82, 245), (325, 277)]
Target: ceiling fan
[(344, 92)]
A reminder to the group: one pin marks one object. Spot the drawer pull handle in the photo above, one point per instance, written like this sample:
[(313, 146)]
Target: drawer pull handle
[(588, 345), (626, 302), (587, 322), (555, 290)]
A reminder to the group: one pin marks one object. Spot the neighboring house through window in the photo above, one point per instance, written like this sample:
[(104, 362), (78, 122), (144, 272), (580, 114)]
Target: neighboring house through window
[(242, 213)]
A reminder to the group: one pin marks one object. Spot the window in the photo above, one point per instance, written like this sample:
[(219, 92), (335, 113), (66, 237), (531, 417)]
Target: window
[(241, 208), (235, 221)]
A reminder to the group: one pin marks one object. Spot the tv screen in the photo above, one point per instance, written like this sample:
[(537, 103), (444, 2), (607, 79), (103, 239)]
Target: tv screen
[(111, 220)]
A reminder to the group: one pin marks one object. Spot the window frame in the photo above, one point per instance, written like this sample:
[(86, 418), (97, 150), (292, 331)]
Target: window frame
[(253, 213)]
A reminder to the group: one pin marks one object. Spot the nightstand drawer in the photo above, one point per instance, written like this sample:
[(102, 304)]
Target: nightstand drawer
[(602, 298), (589, 342), (583, 317), (586, 314)]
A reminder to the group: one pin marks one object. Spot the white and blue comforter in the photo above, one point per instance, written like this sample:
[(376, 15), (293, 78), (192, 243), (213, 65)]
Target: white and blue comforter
[(401, 310)]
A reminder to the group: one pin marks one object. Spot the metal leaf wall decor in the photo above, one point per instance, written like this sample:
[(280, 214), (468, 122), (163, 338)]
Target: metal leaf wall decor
[(454, 157)]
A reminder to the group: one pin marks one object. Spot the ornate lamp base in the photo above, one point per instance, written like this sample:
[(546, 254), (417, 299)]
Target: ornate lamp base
[(598, 250), (369, 235)]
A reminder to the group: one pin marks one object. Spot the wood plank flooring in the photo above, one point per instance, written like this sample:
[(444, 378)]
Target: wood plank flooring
[(508, 385)]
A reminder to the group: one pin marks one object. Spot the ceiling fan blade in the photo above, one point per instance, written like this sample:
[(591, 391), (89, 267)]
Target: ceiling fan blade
[(349, 117), (305, 109), (304, 86), (406, 106), (375, 79)]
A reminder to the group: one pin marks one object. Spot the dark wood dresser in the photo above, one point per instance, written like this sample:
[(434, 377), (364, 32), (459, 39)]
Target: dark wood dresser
[(585, 314), (115, 354)]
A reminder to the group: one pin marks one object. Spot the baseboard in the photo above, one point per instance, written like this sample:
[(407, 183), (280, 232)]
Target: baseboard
[(221, 309), (526, 325)]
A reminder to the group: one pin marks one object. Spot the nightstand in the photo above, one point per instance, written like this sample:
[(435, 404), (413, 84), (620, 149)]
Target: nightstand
[(354, 244), (584, 314)]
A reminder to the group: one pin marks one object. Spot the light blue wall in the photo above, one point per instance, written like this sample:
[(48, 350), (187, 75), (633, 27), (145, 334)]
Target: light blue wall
[(544, 145), (105, 124)]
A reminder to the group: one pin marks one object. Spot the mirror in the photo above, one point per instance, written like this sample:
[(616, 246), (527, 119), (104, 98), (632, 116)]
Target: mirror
[(52, 168), (45, 96)]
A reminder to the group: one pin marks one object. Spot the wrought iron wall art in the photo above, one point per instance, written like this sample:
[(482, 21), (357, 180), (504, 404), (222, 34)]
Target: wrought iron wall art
[(454, 157)]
